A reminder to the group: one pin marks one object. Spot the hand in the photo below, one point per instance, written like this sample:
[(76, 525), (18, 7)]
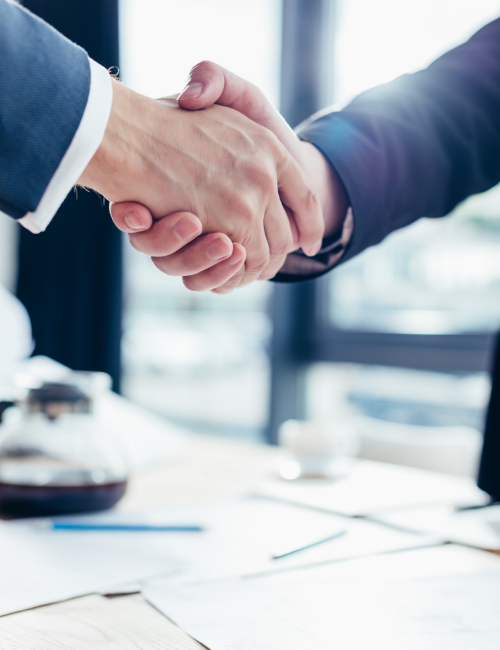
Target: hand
[(209, 83), (230, 172)]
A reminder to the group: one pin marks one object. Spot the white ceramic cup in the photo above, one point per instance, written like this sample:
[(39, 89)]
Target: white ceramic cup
[(314, 446)]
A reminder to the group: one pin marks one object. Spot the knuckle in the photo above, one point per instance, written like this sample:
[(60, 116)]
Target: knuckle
[(267, 275), (202, 66), (223, 290), (143, 243), (257, 264), (133, 242), (281, 248), (168, 265), (231, 284), (269, 140), (311, 203), (160, 264), (192, 283), (262, 175), (244, 209), (148, 247)]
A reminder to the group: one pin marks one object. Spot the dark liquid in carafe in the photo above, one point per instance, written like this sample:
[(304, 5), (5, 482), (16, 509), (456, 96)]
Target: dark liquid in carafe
[(35, 501)]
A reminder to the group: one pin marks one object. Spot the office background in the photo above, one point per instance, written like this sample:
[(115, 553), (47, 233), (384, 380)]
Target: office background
[(403, 333)]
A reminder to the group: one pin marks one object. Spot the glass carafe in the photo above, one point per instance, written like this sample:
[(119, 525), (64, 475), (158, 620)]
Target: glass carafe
[(56, 458)]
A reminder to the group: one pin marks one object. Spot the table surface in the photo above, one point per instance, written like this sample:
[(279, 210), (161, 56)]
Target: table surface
[(210, 468)]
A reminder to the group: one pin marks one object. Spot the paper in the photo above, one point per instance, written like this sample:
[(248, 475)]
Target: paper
[(479, 528), (438, 613), (241, 537), (39, 566), (368, 488)]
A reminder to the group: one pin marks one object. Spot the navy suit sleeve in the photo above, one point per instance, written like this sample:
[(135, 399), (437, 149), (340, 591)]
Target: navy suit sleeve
[(418, 145), (44, 87)]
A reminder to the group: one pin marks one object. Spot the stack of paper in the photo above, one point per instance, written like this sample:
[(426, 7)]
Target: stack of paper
[(443, 612)]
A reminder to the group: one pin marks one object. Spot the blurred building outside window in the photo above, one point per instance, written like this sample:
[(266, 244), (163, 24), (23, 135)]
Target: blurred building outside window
[(201, 359)]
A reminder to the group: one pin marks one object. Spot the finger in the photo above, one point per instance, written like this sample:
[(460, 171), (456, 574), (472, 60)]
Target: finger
[(297, 194), (199, 255), (279, 236), (258, 257), (218, 275), (210, 83), (130, 216), (167, 235), (231, 284), (204, 87)]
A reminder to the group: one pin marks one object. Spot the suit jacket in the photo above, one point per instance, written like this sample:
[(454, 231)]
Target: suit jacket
[(414, 147), (44, 86)]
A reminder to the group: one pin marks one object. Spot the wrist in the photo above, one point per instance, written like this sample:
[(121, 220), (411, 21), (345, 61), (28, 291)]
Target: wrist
[(328, 187), (106, 171)]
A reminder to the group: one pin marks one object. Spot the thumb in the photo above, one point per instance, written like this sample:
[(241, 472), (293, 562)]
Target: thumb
[(210, 83), (130, 216), (204, 87)]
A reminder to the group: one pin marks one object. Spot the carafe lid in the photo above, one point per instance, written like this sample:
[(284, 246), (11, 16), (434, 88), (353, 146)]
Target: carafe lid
[(54, 399)]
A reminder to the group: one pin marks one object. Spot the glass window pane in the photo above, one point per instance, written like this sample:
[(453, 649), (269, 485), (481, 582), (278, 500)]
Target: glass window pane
[(437, 276), (378, 41), (162, 39), (434, 277)]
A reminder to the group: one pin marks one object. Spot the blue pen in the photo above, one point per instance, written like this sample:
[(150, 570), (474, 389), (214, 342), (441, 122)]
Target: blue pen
[(58, 525)]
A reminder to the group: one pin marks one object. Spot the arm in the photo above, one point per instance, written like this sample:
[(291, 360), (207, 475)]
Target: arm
[(416, 146), (44, 87)]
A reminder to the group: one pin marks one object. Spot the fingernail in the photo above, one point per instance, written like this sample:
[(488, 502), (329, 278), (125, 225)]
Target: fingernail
[(186, 229), (191, 91), (218, 249), (236, 257), (134, 222)]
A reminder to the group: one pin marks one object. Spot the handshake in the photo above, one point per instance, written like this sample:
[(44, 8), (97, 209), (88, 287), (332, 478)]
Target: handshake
[(219, 196)]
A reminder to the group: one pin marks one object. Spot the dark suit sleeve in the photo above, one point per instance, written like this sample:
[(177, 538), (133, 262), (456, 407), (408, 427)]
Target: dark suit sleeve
[(416, 146), (44, 87)]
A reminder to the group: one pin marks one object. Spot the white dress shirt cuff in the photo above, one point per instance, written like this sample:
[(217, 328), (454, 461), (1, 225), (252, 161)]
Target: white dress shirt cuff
[(85, 143)]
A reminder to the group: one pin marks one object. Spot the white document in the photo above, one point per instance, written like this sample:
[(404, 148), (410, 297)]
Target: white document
[(369, 487), (479, 528), (439, 613), (242, 537), (40, 566)]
